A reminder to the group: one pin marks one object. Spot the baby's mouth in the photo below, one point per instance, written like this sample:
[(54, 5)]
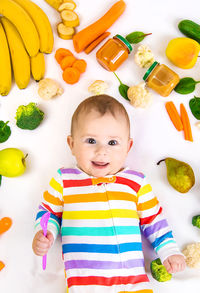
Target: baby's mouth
[(99, 164)]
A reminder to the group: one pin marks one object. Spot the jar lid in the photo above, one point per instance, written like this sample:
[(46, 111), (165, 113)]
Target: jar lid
[(123, 40), (150, 70)]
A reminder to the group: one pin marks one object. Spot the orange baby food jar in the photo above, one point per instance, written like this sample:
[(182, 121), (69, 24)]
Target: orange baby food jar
[(113, 53), (161, 78)]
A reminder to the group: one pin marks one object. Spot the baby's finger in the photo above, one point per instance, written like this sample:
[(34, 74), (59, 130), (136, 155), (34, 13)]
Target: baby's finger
[(41, 252), (42, 238), (50, 237), (175, 267), (43, 243), (167, 265), (182, 266)]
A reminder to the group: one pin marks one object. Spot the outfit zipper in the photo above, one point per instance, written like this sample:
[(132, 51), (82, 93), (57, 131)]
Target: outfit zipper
[(117, 242)]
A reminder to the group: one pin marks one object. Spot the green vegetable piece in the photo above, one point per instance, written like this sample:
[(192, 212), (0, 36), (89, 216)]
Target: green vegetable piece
[(195, 107), (159, 272), (0, 179), (190, 29), (29, 116), (123, 88), (5, 131), (196, 221), (186, 85), (136, 37)]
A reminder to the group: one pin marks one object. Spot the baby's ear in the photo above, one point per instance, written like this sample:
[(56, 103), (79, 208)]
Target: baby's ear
[(130, 144), (70, 142)]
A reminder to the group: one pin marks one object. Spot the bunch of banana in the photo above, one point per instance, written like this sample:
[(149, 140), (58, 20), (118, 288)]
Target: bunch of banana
[(5, 67), (25, 34)]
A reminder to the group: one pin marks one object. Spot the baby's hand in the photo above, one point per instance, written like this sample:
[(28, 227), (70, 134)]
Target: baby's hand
[(41, 244), (175, 263)]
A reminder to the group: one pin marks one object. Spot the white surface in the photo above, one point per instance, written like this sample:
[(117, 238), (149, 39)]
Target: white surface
[(154, 138)]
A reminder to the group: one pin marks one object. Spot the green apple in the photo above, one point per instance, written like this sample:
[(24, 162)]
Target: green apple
[(12, 162)]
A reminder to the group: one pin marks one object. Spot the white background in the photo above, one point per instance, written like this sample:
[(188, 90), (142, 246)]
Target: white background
[(153, 133)]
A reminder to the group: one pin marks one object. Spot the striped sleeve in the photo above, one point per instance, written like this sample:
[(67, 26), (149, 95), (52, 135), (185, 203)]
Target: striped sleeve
[(153, 225), (52, 202)]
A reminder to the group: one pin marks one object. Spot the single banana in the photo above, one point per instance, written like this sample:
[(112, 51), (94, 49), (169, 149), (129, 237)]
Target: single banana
[(5, 64), (41, 22), (19, 56), (38, 66), (24, 24)]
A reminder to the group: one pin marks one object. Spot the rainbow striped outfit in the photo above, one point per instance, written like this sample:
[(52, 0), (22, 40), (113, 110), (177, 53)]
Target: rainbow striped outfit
[(101, 220)]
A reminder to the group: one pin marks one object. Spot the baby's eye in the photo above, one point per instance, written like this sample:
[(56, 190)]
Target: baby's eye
[(113, 142), (91, 140)]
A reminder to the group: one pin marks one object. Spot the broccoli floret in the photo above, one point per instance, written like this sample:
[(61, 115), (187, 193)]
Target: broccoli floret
[(196, 221), (29, 116), (5, 131), (159, 272)]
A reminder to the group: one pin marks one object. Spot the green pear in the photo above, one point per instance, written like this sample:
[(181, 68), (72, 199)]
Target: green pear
[(12, 162), (179, 174)]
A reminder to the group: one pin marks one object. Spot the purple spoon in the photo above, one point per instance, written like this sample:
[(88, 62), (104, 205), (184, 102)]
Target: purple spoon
[(43, 222)]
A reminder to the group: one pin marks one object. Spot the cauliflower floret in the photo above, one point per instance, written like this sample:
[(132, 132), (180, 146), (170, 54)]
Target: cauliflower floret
[(192, 254), (139, 96), (144, 57), (98, 87), (49, 88), (197, 124)]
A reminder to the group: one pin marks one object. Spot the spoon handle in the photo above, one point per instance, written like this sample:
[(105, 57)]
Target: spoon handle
[(43, 223), (44, 258), (44, 261)]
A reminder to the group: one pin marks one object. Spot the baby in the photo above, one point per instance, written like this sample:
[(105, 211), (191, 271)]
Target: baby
[(101, 207)]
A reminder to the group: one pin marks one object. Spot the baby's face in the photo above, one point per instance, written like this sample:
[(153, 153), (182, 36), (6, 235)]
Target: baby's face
[(100, 143)]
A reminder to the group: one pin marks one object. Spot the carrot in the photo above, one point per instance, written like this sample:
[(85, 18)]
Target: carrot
[(174, 116), (2, 265), (67, 62), (186, 123), (61, 53), (86, 36), (96, 42), (80, 64), (71, 75)]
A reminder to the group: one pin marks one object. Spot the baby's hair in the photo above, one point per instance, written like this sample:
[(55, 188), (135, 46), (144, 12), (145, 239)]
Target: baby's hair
[(102, 104)]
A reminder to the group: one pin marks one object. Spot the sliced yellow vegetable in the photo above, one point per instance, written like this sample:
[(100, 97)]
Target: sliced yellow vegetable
[(183, 52), (65, 1), (54, 3), (69, 18), (65, 32), (69, 5)]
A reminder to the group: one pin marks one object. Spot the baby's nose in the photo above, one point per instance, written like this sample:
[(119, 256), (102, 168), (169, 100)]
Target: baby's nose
[(101, 150)]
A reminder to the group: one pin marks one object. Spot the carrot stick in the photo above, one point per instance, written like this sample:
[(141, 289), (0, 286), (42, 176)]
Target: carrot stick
[(186, 123), (174, 116), (96, 42), (86, 36), (2, 265)]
